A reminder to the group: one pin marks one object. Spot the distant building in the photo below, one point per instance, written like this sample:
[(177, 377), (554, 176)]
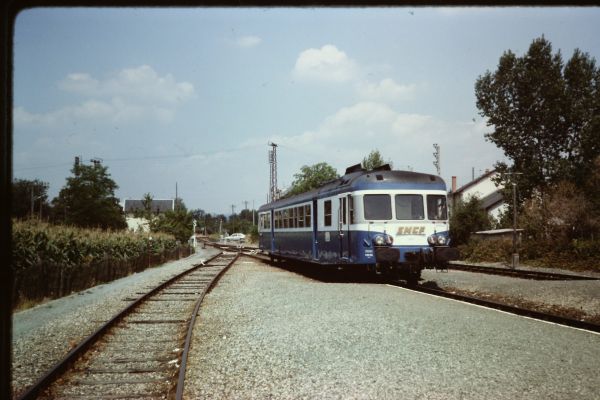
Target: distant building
[(158, 206), (485, 189)]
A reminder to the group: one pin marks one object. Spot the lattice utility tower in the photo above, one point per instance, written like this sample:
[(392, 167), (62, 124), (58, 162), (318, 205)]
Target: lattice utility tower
[(436, 156), (273, 193)]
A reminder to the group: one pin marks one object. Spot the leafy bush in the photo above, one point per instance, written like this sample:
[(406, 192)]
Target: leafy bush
[(579, 255), (467, 217), (487, 250)]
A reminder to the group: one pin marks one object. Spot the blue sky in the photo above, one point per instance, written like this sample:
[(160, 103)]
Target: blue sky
[(194, 96)]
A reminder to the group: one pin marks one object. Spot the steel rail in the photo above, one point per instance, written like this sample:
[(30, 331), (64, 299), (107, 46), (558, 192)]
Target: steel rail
[(188, 338), (60, 367), (520, 273), (557, 319)]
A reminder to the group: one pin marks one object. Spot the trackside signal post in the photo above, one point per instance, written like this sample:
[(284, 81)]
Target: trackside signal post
[(515, 252)]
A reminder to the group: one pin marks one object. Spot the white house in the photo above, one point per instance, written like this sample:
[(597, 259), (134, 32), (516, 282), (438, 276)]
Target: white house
[(485, 189), (142, 224)]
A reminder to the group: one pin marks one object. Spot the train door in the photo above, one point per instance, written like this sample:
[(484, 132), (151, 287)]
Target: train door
[(315, 230), (272, 229), (344, 228)]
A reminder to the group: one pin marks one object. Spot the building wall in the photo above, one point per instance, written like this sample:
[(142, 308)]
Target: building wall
[(481, 189), (496, 211)]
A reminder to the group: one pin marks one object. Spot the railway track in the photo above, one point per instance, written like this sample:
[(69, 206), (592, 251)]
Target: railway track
[(557, 319), (519, 273), (141, 352), (482, 302)]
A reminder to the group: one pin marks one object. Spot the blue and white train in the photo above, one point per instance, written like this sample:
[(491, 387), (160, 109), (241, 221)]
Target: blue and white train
[(392, 222)]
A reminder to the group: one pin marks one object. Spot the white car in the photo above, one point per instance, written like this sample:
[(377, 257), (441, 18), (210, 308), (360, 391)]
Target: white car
[(236, 237)]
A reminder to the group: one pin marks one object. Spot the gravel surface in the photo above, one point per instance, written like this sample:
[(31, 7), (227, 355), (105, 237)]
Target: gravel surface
[(264, 332), (43, 335)]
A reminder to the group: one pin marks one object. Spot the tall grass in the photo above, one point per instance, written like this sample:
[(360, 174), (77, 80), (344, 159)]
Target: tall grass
[(51, 261)]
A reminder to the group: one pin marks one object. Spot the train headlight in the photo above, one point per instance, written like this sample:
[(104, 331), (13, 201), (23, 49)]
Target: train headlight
[(437, 240), (389, 240), (379, 240)]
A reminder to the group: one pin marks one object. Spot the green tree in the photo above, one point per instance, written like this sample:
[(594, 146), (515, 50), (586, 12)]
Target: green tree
[(146, 210), (246, 215), (374, 160), (27, 193), (147, 203), (467, 217), (88, 199), (177, 223), (545, 115), (312, 177)]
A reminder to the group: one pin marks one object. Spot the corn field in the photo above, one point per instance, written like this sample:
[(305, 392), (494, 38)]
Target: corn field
[(52, 261)]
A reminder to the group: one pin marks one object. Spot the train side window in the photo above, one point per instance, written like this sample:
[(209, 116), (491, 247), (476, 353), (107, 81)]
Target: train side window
[(327, 213), (300, 212), (351, 208), (295, 217), (267, 221), (307, 222)]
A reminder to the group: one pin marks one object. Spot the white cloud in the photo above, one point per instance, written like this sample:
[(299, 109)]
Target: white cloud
[(360, 125), (387, 90), (129, 95), (248, 41), (140, 84), (347, 136), (91, 109), (79, 83), (327, 64)]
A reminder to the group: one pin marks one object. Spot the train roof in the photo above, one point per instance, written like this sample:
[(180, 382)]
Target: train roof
[(357, 178)]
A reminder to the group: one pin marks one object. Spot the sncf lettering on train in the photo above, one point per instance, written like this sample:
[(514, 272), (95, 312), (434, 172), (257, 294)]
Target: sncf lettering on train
[(411, 230)]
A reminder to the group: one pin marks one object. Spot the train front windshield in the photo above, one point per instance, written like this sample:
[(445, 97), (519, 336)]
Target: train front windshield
[(378, 207), (409, 207), (436, 207)]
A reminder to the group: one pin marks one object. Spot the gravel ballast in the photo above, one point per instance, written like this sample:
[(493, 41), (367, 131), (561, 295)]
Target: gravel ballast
[(43, 335), (264, 332)]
